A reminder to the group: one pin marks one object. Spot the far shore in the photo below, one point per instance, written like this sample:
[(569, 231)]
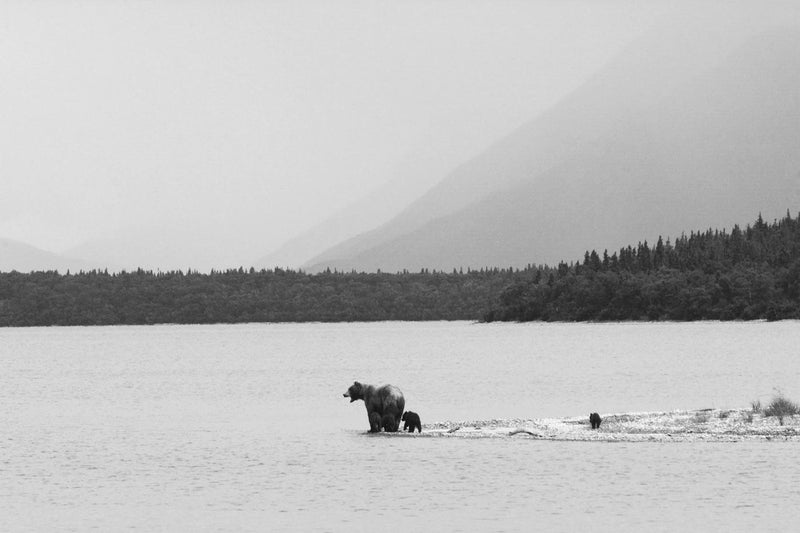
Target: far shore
[(701, 425)]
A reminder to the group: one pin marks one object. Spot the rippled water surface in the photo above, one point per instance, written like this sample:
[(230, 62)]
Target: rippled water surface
[(245, 428)]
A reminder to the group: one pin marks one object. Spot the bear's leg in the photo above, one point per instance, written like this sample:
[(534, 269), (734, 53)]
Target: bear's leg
[(374, 422), (419, 428), (388, 422)]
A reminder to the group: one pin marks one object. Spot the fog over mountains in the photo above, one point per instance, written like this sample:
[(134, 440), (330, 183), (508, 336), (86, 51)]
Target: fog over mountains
[(25, 258), (689, 128), (411, 179), (695, 124)]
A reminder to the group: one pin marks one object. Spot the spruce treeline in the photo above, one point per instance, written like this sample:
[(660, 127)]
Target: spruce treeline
[(714, 275), (751, 273), (238, 295)]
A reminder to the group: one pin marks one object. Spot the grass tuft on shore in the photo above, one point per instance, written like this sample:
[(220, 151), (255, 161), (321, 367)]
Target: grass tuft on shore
[(756, 407), (781, 407)]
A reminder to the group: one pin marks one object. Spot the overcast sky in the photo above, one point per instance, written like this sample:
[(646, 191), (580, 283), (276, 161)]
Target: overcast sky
[(260, 119)]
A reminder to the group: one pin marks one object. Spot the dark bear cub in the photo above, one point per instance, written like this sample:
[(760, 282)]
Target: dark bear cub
[(594, 420), (412, 422)]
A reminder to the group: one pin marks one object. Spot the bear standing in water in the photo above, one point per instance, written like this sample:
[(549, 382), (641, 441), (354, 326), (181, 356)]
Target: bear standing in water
[(594, 420), (412, 422), (384, 404)]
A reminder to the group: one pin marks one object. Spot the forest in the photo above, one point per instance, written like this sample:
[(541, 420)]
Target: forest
[(234, 296), (741, 274), (713, 275)]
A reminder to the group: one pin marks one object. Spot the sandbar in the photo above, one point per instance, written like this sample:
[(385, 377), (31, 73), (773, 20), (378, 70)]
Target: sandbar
[(700, 425)]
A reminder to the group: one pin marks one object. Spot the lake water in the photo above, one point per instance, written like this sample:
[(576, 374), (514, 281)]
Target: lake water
[(244, 427)]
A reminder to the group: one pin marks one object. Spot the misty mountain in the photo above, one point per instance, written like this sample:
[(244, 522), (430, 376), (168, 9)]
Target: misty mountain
[(23, 257), (180, 244), (690, 127), (412, 177)]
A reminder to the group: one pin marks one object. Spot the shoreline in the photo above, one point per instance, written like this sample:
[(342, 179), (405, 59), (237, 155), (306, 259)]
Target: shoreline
[(699, 425)]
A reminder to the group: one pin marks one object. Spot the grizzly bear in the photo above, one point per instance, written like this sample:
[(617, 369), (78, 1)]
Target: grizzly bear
[(412, 422), (594, 420), (380, 402)]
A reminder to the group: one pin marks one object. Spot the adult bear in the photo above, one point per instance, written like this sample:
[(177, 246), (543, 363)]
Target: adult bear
[(385, 404)]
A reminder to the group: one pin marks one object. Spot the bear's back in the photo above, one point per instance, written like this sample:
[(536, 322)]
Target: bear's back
[(385, 398)]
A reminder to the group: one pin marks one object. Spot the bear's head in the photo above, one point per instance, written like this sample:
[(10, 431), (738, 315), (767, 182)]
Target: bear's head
[(403, 418), (355, 392)]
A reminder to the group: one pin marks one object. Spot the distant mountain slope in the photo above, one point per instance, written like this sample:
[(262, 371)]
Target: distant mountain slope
[(672, 134), (186, 246), (25, 258), (412, 177)]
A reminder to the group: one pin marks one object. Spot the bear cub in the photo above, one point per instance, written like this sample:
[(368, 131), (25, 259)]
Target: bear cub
[(412, 422), (594, 420)]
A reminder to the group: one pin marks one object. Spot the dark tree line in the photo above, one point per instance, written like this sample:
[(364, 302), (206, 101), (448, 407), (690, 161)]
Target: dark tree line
[(717, 275), (233, 296), (742, 274)]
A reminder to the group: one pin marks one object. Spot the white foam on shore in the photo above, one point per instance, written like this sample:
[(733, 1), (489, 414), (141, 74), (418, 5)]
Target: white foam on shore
[(705, 425)]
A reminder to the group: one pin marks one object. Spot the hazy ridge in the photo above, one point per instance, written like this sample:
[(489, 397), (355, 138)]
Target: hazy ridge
[(23, 257), (670, 135), (694, 125)]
